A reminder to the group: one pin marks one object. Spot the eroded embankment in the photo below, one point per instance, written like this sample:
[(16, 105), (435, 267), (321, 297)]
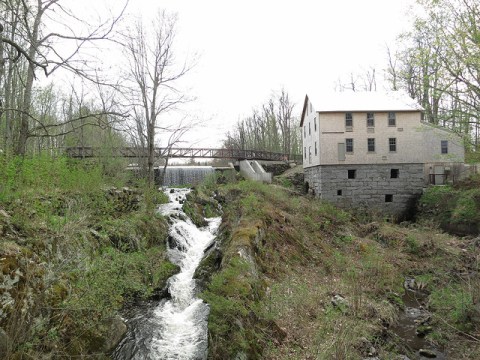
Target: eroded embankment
[(294, 278), (69, 261)]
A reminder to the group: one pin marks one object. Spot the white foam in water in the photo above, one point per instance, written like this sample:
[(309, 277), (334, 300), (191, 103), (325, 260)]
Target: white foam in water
[(175, 329), (182, 331)]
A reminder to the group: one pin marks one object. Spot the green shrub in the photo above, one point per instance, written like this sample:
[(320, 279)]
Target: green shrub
[(455, 305)]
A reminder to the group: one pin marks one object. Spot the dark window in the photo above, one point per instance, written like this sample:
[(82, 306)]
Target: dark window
[(392, 144), (349, 145), (394, 173), (444, 145), (304, 131), (315, 148), (371, 144), (352, 174), (305, 152), (370, 119), (392, 121), (348, 119), (309, 129), (339, 192), (315, 123), (389, 198)]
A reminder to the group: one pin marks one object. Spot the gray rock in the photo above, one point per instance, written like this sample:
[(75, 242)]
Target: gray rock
[(117, 330), (428, 353), (340, 302)]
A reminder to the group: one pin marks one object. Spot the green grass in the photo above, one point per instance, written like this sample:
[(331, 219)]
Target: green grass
[(83, 252), (304, 251)]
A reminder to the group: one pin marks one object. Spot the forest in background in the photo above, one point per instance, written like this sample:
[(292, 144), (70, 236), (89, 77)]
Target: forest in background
[(436, 62)]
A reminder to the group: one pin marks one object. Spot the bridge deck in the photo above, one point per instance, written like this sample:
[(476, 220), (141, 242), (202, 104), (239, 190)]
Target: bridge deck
[(131, 152)]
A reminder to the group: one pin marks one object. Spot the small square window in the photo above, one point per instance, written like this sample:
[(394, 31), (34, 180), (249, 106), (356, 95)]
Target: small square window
[(348, 119), (370, 119), (392, 119), (394, 173), (371, 144), (444, 145), (339, 192), (389, 198), (349, 145), (352, 174), (392, 144)]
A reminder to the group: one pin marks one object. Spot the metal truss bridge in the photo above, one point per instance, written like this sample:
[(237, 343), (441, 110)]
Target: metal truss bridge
[(131, 152)]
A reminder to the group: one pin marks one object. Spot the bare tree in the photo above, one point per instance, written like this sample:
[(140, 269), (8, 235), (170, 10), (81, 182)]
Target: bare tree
[(152, 76), (272, 128), (284, 118), (40, 48)]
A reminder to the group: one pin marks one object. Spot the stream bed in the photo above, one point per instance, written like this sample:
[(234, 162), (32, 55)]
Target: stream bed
[(412, 326), (174, 328)]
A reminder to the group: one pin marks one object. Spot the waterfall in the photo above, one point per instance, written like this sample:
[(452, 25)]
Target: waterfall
[(175, 328), (185, 175)]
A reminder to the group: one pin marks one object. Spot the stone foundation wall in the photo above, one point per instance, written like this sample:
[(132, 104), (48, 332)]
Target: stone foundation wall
[(370, 186)]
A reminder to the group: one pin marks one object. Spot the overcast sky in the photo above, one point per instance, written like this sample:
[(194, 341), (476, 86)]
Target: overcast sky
[(249, 48)]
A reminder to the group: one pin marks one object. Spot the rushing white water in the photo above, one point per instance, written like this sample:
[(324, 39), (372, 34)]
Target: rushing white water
[(176, 328)]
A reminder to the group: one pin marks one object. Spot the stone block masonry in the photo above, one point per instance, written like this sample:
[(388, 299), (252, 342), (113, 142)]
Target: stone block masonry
[(390, 189)]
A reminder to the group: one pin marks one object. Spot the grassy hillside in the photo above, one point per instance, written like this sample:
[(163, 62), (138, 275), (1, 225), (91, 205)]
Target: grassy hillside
[(73, 251), (296, 278)]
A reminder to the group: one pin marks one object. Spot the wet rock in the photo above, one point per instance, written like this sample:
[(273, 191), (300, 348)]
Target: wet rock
[(409, 284), (161, 293), (172, 191), (427, 353), (423, 330), (415, 313), (117, 330), (174, 244)]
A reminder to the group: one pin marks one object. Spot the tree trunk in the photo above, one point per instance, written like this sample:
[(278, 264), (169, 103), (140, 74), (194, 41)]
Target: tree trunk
[(27, 93)]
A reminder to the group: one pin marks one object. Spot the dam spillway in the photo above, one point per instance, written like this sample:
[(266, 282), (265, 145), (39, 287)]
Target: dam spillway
[(182, 175)]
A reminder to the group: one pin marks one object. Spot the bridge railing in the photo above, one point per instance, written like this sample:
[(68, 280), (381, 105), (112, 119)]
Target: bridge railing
[(132, 152)]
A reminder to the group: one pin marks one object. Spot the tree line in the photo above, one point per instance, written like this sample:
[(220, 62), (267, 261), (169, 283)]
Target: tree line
[(272, 127), (98, 107), (438, 64)]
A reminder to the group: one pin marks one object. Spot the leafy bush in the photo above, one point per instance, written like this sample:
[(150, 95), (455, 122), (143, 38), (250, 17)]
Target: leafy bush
[(455, 304)]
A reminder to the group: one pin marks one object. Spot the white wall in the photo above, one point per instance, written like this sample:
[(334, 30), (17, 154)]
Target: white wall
[(432, 137), (416, 142), (310, 136)]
